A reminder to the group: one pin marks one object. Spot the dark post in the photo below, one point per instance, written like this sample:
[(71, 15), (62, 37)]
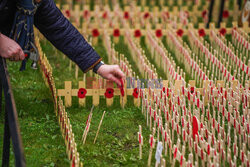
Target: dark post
[(11, 128), (211, 7), (221, 12)]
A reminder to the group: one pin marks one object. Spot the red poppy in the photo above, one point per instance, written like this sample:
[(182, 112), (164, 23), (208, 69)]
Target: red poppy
[(225, 14), (164, 89), (175, 152), (109, 93), (121, 87), (82, 93), (95, 32), (126, 15), (158, 33), (146, 15), (116, 33), (195, 127), (204, 13), (67, 12), (201, 32), (180, 32), (192, 90), (104, 15), (223, 31), (135, 93), (85, 13), (137, 33)]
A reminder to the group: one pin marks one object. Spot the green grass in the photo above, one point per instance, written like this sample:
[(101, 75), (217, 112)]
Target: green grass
[(117, 142), (42, 141)]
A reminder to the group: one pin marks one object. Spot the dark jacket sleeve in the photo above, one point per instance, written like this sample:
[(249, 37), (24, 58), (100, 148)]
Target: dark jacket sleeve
[(64, 36)]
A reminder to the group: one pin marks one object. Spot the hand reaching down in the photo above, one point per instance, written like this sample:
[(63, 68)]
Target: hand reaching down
[(111, 72)]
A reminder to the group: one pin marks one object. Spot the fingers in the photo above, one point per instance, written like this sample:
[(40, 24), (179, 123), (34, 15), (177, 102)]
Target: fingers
[(21, 55), (118, 72), (115, 79), (17, 54)]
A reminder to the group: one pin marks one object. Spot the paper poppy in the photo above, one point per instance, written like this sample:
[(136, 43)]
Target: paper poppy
[(135, 93), (180, 32), (82, 93), (137, 33), (175, 152), (225, 14), (204, 13), (223, 31), (85, 13), (121, 87), (109, 93), (146, 15), (67, 12), (164, 89), (192, 90), (126, 15), (195, 127), (116, 33), (104, 15), (201, 32), (158, 33), (95, 33)]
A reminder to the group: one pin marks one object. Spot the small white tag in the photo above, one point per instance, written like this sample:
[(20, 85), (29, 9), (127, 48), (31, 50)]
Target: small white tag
[(158, 152)]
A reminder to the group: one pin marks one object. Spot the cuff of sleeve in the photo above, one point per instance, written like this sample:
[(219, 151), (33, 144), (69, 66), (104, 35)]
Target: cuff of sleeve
[(93, 65)]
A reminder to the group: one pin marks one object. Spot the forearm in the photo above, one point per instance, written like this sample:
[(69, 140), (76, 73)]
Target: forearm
[(64, 36)]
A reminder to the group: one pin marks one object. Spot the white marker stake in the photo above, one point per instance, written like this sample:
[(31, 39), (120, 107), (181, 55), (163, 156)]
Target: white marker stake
[(140, 139), (158, 153), (151, 142), (99, 126)]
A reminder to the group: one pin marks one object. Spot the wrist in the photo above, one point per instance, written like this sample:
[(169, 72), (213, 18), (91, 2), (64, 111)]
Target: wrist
[(96, 67)]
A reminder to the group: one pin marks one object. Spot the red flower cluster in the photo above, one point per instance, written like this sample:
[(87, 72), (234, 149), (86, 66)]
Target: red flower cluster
[(158, 33), (201, 32), (180, 32), (82, 93), (116, 33), (109, 93), (126, 15), (223, 31), (137, 33), (225, 14), (95, 32), (135, 93), (146, 15)]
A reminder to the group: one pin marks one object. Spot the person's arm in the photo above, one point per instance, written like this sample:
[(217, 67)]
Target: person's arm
[(65, 37)]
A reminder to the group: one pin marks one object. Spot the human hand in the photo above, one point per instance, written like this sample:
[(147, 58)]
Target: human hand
[(9, 49), (111, 72)]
